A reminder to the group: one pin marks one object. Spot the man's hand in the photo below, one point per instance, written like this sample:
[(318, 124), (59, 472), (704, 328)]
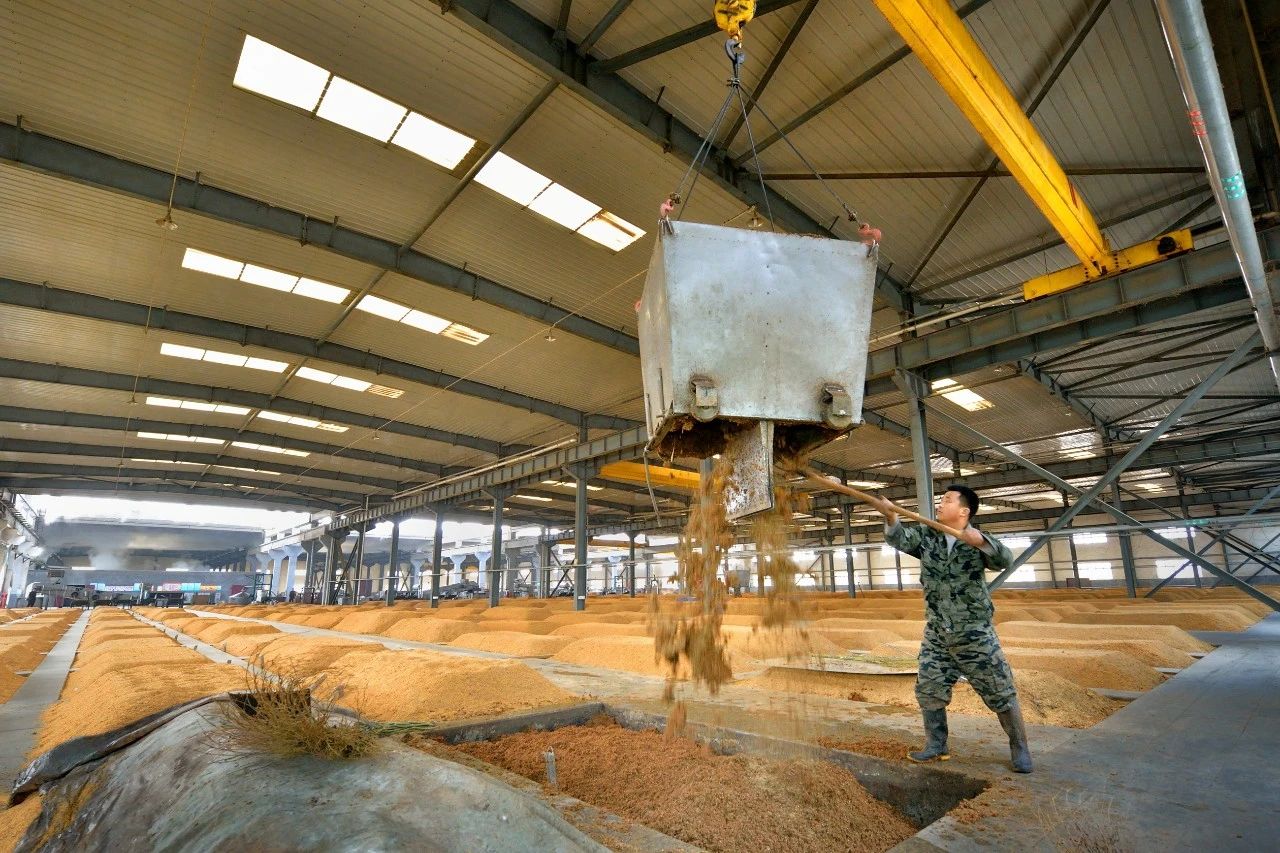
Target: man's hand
[(886, 508), (971, 536)]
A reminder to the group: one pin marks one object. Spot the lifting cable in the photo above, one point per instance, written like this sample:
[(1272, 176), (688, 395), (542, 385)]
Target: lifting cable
[(731, 16)]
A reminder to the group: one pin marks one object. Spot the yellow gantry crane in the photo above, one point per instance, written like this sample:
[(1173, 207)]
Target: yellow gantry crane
[(935, 33)]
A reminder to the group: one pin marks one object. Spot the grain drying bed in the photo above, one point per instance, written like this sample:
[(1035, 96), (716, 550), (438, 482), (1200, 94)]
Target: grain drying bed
[(714, 787)]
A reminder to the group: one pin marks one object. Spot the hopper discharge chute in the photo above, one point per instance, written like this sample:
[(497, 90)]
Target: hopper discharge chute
[(754, 344)]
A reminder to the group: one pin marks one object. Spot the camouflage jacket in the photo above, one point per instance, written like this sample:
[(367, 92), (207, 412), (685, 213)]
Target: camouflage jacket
[(955, 587)]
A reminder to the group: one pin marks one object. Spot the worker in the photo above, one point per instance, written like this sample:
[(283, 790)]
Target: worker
[(959, 637)]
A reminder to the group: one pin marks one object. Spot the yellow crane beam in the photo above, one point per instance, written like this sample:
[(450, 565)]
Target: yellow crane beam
[(633, 472), (939, 38)]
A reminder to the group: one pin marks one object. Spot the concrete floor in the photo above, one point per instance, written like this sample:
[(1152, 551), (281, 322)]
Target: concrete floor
[(1193, 765)]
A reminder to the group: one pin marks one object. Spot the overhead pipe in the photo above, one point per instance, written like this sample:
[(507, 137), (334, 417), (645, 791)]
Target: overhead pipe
[(1187, 35)]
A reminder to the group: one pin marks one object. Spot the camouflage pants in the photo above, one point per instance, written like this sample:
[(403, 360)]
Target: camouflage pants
[(974, 653)]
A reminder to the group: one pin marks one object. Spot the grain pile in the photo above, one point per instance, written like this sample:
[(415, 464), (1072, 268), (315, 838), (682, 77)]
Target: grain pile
[(1045, 698), (717, 802), (371, 621), (115, 682), (633, 654), (22, 647), (1199, 619), (415, 685), (1167, 634), (1088, 668), (307, 656), (512, 643), (217, 634), (849, 638), (424, 629), (15, 820), (600, 629)]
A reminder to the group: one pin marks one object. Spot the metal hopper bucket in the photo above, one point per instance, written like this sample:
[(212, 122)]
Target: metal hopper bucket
[(741, 328)]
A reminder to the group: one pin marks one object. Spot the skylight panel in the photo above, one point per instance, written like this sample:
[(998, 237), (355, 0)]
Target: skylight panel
[(320, 290), (968, 400), (433, 141), (612, 232), (269, 448), (351, 383), (194, 259), (225, 358), (383, 307), (358, 109), (386, 391), (466, 334), (264, 277), (538, 498), (196, 405), (427, 322), (564, 207), (190, 439), (316, 375), (309, 423), (181, 351), (281, 76), (267, 364), (512, 179)]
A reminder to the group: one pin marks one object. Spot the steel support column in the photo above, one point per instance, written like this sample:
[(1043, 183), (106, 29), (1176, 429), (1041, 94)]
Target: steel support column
[(631, 564), (845, 512), (495, 549), (581, 474), (916, 389), (437, 545), (1223, 540), (393, 563), (1126, 552)]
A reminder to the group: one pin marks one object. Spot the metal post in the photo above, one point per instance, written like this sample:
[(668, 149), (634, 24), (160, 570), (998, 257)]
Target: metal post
[(580, 531), (354, 587), (1053, 574), (631, 564), (845, 513), (916, 389), (331, 568), (1071, 544), (897, 566), (1191, 536), (1126, 552), (393, 563), (870, 571), (437, 547), (544, 567), (495, 549)]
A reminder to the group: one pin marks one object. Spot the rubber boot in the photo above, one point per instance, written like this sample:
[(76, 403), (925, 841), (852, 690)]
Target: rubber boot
[(1019, 752), (935, 745)]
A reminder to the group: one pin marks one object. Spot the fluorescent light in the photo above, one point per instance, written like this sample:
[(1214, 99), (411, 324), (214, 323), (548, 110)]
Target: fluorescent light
[(351, 384), (265, 277), (432, 140), (610, 231), (512, 179), (194, 259), (466, 334), (316, 375), (564, 207), (279, 75), (182, 352), (357, 108), (267, 364), (383, 307), (320, 290), (427, 322), (225, 358)]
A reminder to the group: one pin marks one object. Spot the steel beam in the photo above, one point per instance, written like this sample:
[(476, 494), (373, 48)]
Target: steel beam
[(672, 41), (18, 415), (76, 304), (957, 174), (1204, 278), (103, 171), (1109, 430), (113, 472), (62, 375), (535, 42), (39, 485), (69, 449)]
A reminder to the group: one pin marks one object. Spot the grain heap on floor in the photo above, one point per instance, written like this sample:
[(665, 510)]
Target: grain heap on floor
[(717, 802)]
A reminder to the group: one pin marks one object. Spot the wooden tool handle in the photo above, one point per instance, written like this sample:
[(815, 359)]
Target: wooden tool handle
[(826, 482)]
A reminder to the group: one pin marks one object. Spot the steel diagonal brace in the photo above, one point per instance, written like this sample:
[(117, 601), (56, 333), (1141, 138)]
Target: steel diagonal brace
[(1091, 496)]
